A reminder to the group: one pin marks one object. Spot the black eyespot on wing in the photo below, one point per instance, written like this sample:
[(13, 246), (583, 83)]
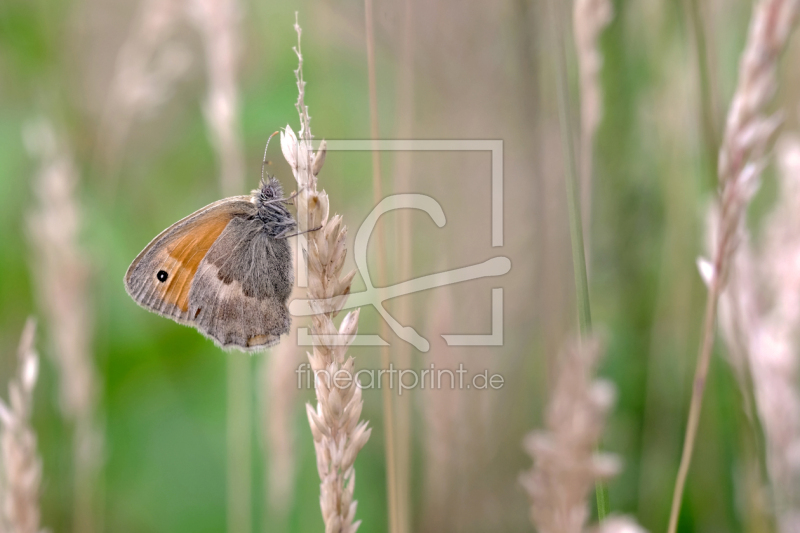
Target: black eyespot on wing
[(162, 276)]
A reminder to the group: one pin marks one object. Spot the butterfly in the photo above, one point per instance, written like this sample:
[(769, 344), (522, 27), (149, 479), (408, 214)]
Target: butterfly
[(226, 270)]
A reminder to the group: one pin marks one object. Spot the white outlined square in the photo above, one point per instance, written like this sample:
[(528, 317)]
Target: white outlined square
[(374, 296)]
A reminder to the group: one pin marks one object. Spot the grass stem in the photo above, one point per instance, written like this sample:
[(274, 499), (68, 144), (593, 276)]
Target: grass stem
[(699, 386), (574, 207)]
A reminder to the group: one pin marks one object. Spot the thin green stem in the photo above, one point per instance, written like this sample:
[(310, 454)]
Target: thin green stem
[(694, 22), (571, 182), (574, 207)]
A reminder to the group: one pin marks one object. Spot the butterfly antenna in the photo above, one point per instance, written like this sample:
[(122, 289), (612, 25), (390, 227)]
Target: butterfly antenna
[(264, 163)]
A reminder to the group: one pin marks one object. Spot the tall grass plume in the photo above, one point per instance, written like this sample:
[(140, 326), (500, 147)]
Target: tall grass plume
[(566, 463), (748, 134), (338, 433), (61, 271)]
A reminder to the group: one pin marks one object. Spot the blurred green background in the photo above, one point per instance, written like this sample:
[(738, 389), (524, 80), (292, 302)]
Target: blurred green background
[(481, 70)]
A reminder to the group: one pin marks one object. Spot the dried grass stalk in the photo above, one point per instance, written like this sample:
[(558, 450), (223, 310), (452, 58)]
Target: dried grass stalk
[(566, 463), (21, 465), (760, 321), (338, 433), (748, 133)]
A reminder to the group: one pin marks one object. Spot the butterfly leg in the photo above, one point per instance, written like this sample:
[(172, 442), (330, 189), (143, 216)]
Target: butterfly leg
[(281, 236)]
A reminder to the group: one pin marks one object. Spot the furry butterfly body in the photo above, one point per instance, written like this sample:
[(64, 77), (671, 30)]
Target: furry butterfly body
[(225, 270)]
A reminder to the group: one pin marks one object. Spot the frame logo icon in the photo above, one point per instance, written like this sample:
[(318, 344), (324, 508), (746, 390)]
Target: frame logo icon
[(375, 296)]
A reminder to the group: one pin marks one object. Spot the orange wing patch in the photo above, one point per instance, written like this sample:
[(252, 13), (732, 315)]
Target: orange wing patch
[(185, 255)]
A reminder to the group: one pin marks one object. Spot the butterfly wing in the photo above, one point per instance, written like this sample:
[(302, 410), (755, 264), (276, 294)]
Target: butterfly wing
[(160, 277), (241, 287), (218, 271)]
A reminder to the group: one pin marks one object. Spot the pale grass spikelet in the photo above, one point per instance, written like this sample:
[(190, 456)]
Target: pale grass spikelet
[(738, 303), (760, 322), (748, 133), (335, 422), (706, 270), (21, 465), (566, 463), (749, 129)]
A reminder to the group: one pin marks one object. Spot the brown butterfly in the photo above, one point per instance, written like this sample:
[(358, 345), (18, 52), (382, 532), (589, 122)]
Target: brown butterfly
[(225, 270)]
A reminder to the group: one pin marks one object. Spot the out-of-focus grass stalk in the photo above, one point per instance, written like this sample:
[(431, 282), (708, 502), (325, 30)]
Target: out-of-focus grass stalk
[(404, 255), (741, 321), (239, 433), (701, 372), (571, 178), (708, 116), (279, 382), (377, 196), (748, 133), (218, 22), (566, 463), (440, 418), (21, 465), (706, 86), (573, 204), (759, 321), (148, 65), (62, 274), (589, 19)]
